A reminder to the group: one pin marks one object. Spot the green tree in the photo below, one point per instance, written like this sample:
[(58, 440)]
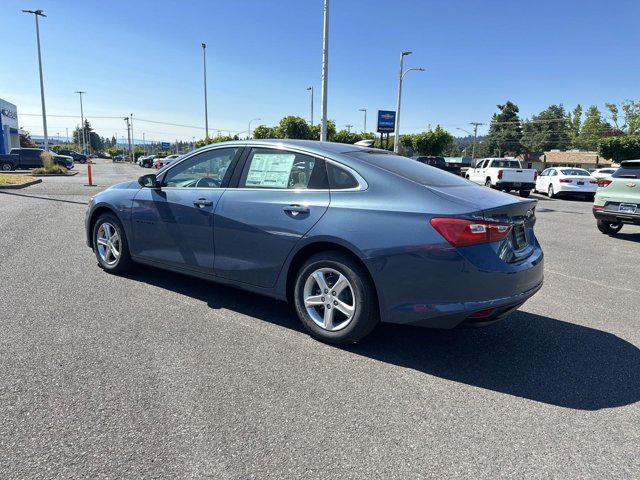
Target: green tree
[(620, 148), (593, 129), (93, 139), (434, 142), (505, 131), (262, 131), (331, 131), (575, 122), (208, 141), (631, 111), (550, 129), (293, 127)]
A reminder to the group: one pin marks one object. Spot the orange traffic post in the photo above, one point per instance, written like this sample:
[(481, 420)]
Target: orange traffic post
[(89, 173)]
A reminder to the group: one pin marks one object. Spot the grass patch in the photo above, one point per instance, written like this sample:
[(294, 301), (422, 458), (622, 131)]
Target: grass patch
[(6, 179), (50, 169)]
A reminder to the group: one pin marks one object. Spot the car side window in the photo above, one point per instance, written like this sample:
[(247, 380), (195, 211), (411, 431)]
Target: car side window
[(206, 170), (281, 169), (339, 178)]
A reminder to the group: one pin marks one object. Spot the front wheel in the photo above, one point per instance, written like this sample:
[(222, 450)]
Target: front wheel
[(525, 193), (6, 167), (609, 228), (110, 244), (335, 298)]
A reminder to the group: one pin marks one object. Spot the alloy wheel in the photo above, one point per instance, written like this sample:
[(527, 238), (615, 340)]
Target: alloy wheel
[(108, 243), (329, 299)]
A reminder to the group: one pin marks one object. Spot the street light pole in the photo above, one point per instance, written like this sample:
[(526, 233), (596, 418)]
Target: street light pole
[(396, 142), (253, 119), (325, 71), (126, 119), (311, 89), (348, 125), (84, 143), (365, 119), (36, 14), (204, 69), (133, 141)]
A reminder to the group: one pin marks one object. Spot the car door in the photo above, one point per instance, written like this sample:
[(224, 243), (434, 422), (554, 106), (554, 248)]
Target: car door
[(173, 224), (479, 173), (31, 158), (540, 181), (280, 195)]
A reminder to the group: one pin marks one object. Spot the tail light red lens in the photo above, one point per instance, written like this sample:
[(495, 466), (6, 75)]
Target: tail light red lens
[(604, 182), (566, 180), (482, 313), (599, 207), (500, 174), (460, 232)]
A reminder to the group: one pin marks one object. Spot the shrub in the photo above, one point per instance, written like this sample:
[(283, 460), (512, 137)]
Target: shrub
[(48, 165)]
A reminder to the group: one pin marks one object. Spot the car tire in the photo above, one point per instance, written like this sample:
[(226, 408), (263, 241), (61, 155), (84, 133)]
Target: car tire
[(525, 193), (108, 260), (6, 166), (550, 192), (358, 293), (487, 183), (609, 228)]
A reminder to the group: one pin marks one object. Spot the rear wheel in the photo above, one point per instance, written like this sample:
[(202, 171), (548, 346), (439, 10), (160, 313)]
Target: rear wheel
[(487, 183), (550, 192), (525, 193), (335, 298), (609, 228), (110, 244)]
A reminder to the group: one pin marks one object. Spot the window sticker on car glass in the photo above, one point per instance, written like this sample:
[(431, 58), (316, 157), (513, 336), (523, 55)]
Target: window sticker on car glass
[(270, 170)]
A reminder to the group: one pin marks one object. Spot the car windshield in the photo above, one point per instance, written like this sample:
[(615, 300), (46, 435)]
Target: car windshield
[(505, 164), (409, 168), (575, 172)]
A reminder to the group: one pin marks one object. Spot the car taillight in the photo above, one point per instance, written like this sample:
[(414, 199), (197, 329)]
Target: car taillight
[(598, 207), (500, 174), (566, 180), (593, 181), (604, 182), (460, 232)]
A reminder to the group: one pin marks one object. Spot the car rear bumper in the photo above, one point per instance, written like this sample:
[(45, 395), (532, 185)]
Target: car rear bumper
[(515, 185), (576, 189), (617, 217)]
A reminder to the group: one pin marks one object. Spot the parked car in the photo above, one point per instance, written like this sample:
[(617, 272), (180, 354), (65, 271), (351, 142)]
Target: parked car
[(77, 157), (160, 162), (350, 235), (146, 161), (27, 158), (603, 173), (566, 181), (438, 162), (617, 199), (503, 174)]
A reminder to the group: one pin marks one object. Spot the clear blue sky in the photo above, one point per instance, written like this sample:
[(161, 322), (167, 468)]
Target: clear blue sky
[(144, 57)]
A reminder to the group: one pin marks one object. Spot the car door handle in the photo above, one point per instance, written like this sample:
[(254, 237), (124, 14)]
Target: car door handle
[(202, 202), (296, 209)]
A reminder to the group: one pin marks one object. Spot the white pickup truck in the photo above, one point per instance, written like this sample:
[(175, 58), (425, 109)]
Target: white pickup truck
[(503, 174)]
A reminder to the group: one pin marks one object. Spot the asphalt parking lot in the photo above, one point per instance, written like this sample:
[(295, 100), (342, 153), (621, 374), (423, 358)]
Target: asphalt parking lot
[(157, 375)]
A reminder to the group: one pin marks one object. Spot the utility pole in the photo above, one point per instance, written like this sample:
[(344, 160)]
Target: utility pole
[(36, 14), (396, 142), (348, 127), (133, 141), (475, 136), (311, 90), (144, 144), (126, 119), (325, 71), (204, 70), (84, 142), (249, 134), (365, 119), (67, 134)]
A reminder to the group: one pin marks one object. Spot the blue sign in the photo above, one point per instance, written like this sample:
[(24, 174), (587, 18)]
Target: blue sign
[(386, 121), (165, 145)]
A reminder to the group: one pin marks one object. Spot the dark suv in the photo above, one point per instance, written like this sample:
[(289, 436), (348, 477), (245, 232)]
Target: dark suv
[(77, 157), (24, 158)]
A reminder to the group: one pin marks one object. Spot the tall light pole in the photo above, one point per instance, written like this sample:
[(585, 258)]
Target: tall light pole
[(396, 142), (36, 14), (126, 119), (348, 125), (252, 120), (84, 143), (325, 71), (133, 141), (475, 136), (204, 70), (365, 119), (311, 90)]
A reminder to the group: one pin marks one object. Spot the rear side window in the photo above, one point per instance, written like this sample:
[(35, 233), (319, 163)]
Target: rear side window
[(281, 169), (630, 170), (506, 164), (575, 172), (410, 169), (340, 179)]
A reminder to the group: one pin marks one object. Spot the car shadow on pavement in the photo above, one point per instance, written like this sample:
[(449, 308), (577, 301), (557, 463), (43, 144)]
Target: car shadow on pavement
[(629, 237), (527, 355)]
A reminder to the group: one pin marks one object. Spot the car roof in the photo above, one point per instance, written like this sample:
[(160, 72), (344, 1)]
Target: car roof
[(630, 162), (312, 146)]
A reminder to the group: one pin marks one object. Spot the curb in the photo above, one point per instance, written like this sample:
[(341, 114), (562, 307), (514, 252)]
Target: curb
[(21, 185), (70, 174)]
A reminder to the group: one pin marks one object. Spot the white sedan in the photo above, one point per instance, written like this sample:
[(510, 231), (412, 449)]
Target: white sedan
[(603, 173), (558, 181)]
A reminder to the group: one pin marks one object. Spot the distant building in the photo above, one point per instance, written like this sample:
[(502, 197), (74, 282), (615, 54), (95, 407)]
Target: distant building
[(570, 158), (9, 135)]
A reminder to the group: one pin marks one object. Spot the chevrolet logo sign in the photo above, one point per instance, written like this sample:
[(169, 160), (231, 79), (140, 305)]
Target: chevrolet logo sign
[(630, 185)]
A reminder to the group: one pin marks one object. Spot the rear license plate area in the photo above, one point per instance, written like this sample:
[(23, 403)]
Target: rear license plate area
[(517, 184), (580, 183), (519, 236), (627, 208)]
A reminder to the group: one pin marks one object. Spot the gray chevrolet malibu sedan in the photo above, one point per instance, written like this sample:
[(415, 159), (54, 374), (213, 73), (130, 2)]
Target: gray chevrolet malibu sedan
[(351, 236)]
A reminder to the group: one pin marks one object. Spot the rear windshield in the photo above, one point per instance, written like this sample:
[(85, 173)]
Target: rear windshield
[(505, 164), (630, 170), (409, 168), (575, 171)]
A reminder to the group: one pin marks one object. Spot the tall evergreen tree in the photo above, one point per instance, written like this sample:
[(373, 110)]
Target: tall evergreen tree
[(550, 129), (505, 131), (592, 131), (575, 122)]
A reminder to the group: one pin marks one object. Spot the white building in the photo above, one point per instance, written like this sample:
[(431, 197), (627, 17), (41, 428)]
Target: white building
[(9, 136)]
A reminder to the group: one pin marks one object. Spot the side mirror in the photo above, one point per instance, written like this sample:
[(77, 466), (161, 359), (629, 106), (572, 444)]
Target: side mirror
[(149, 181)]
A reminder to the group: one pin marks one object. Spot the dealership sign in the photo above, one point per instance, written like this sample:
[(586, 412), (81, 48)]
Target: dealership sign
[(386, 121), (165, 145), (9, 113)]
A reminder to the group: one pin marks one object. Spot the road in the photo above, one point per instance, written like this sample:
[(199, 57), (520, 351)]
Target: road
[(156, 375)]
